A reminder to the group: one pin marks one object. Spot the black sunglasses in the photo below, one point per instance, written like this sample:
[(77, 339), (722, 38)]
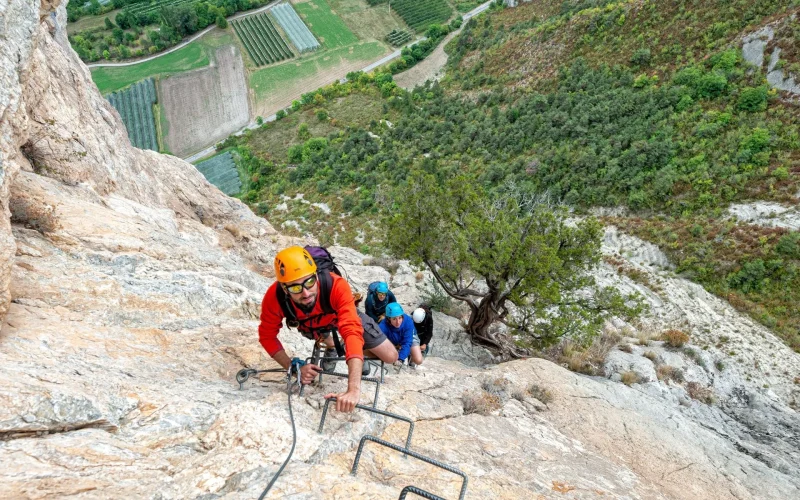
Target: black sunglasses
[(298, 287)]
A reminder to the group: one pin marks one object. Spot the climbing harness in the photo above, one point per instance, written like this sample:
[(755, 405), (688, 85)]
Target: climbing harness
[(293, 378)]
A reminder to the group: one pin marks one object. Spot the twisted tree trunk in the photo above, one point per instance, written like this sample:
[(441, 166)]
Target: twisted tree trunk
[(482, 317)]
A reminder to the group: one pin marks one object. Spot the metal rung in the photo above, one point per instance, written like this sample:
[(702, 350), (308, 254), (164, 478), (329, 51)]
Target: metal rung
[(366, 379), (414, 454), (316, 354), (419, 492), (372, 410)]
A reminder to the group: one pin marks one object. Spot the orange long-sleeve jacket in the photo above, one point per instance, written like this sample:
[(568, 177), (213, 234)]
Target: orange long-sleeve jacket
[(345, 319)]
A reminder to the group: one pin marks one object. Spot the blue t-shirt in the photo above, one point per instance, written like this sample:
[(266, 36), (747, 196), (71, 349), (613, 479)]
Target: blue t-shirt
[(402, 336)]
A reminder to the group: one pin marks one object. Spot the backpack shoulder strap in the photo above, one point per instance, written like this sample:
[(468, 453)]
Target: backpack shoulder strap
[(286, 307), (325, 289)]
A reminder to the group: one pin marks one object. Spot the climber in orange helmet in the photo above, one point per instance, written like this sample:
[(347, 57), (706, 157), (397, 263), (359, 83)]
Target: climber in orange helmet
[(319, 303)]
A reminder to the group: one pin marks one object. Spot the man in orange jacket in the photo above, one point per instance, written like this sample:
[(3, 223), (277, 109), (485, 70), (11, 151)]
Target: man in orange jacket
[(297, 277)]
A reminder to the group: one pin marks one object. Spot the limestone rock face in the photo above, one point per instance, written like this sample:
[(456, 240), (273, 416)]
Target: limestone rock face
[(56, 124), (18, 23), (135, 289)]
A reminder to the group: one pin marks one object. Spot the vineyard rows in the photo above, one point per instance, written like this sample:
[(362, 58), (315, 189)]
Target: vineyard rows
[(294, 27), (221, 171), (135, 107), (398, 37), (261, 39), (147, 7), (419, 14)]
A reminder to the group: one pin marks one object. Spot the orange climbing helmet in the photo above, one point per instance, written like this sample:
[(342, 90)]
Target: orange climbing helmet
[(293, 263)]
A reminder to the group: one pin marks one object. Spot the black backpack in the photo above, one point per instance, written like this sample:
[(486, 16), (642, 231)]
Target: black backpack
[(325, 265)]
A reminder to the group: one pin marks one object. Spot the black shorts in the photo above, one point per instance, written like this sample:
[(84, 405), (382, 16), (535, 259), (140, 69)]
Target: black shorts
[(373, 336)]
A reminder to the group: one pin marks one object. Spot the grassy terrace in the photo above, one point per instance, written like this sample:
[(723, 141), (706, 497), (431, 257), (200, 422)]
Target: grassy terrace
[(193, 56), (269, 79), (327, 26)]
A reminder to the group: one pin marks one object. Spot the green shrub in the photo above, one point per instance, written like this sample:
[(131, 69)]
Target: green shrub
[(753, 99), (349, 202), (641, 57), (789, 245), (712, 85), (303, 132), (295, 153), (725, 61), (781, 173), (688, 77), (750, 278), (436, 298)]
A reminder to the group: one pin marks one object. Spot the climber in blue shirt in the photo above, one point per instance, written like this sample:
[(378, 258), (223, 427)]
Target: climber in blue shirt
[(399, 329), (378, 297)]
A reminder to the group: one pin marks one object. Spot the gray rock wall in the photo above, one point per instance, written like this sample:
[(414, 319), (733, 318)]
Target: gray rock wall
[(133, 309), (55, 124), (18, 24)]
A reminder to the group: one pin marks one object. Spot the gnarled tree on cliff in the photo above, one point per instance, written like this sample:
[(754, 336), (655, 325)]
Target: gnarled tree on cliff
[(513, 257)]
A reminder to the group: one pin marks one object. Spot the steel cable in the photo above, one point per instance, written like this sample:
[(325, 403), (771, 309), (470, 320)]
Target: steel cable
[(294, 435)]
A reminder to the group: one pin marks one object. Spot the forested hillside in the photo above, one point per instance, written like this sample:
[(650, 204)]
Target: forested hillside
[(644, 105)]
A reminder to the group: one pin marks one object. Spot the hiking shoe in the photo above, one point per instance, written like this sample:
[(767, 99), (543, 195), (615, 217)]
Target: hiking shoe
[(329, 366)]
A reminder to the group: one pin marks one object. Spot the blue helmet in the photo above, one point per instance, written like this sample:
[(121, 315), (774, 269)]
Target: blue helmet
[(393, 310), (382, 287)]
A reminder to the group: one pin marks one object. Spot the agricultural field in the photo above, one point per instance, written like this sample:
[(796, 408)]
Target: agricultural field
[(463, 6), (221, 171), (109, 79), (365, 21), (327, 26), (135, 107), (261, 40), (147, 7), (277, 86), (294, 27), (398, 37), (419, 14), (204, 106), (91, 22)]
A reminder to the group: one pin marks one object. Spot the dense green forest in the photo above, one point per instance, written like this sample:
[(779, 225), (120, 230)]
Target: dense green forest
[(624, 118)]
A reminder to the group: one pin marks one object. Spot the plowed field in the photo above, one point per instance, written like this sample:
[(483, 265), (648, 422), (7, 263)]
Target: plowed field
[(206, 105)]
